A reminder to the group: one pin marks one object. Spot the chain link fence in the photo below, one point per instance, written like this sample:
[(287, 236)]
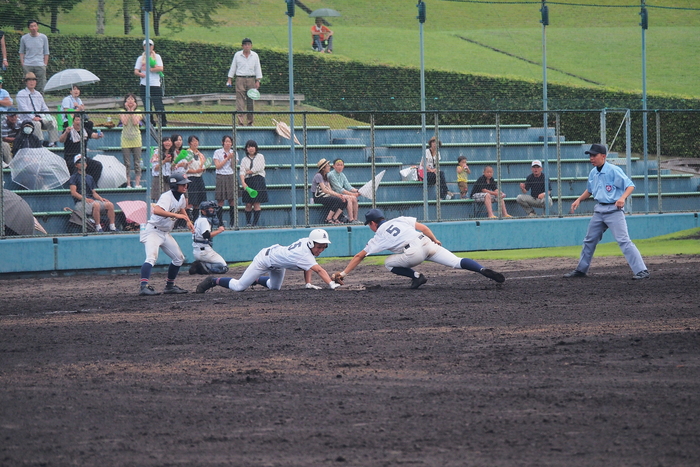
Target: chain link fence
[(383, 163)]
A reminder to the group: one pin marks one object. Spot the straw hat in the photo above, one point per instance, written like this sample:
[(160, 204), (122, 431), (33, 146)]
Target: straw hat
[(322, 163)]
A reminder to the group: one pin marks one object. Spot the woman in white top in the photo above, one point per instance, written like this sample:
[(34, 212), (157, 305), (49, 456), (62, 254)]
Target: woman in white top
[(252, 175), (153, 65), (72, 104), (428, 164), (225, 162), (195, 169)]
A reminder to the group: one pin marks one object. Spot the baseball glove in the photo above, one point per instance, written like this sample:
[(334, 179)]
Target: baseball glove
[(337, 278)]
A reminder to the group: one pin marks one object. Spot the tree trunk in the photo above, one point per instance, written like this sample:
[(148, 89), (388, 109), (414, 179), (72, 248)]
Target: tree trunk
[(156, 22), (127, 16), (54, 17), (100, 17)]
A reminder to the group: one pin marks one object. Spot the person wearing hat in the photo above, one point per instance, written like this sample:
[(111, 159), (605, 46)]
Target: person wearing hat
[(31, 100), (10, 132), (26, 138), (411, 243), (610, 186), (534, 183), (252, 175), (323, 193), (93, 201), (245, 67), (149, 62), (34, 53)]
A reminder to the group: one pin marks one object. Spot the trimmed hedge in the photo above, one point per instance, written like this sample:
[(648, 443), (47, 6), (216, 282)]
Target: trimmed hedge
[(352, 87)]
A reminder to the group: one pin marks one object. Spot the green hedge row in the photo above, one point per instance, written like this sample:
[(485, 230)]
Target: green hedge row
[(353, 87)]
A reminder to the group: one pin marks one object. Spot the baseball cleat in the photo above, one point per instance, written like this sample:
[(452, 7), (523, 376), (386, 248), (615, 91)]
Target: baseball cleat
[(641, 275), (418, 281), (575, 273), (173, 289), (148, 290), (206, 284), (491, 274)]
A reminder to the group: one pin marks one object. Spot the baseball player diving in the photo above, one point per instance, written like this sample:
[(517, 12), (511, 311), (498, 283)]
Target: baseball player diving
[(610, 186), (170, 207), (206, 227), (275, 260), (412, 243)]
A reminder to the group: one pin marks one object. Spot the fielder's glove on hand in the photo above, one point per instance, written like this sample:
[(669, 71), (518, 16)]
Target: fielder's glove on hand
[(311, 286), (337, 277), (333, 285)]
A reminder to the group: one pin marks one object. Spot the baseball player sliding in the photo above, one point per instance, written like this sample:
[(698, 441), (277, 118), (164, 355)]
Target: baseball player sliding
[(275, 260), (412, 243), (170, 208)]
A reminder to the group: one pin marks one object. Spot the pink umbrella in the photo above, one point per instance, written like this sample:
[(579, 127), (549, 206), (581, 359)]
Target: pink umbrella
[(135, 211)]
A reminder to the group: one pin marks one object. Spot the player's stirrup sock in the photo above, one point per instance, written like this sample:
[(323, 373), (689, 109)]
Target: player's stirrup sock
[(146, 272), (470, 265), (408, 272), (262, 280), (172, 272)]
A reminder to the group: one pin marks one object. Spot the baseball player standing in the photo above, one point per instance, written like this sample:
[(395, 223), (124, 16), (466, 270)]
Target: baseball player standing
[(206, 227), (610, 186), (275, 260), (412, 243), (170, 207)]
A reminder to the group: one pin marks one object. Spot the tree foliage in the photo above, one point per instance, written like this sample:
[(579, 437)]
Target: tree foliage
[(200, 13)]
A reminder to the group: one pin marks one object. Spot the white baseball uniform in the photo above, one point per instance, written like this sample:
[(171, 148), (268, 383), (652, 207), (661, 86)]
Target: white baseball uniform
[(410, 247), (157, 233), (202, 248), (275, 260)]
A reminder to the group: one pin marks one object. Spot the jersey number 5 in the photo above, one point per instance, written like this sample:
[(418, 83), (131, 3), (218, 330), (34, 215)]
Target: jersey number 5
[(394, 231)]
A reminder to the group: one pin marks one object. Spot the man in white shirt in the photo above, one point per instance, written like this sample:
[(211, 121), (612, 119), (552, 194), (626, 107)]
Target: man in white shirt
[(34, 53), (412, 243), (246, 68), (31, 100)]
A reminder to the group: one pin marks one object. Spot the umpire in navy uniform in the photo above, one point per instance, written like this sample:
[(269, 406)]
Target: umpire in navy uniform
[(611, 187)]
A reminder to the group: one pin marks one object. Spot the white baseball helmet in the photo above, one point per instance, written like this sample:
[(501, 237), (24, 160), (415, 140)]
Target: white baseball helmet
[(318, 236)]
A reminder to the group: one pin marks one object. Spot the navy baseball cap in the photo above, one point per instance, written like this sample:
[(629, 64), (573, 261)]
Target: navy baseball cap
[(373, 215), (597, 149)]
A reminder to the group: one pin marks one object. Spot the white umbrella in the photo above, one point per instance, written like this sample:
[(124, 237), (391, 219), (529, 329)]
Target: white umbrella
[(113, 172), (66, 79), (38, 169), (366, 189), (324, 12)]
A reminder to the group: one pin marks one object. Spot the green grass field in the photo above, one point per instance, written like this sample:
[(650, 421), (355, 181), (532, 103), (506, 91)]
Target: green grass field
[(586, 44)]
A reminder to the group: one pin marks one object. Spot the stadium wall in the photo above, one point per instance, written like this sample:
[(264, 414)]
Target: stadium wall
[(120, 253)]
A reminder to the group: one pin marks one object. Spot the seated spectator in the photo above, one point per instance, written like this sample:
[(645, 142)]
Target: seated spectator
[(26, 138), (535, 184), (31, 100), (485, 190), (432, 155), (72, 104), (321, 37), (323, 193), (71, 141), (462, 181), (10, 132), (340, 184), (93, 200)]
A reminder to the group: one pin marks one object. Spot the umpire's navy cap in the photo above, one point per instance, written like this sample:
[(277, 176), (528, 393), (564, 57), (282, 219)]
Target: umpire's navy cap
[(373, 215), (597, 149)]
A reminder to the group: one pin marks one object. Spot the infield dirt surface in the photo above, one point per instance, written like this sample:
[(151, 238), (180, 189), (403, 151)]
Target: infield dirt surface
[(541, 370)]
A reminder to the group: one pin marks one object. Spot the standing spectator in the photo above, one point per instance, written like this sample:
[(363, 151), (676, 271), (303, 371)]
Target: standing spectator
[(131, 139), (161, 168), (93, 201), (610, 186), (175, 150), (252, 174), (535, 184), (485, 190), (246, 68), (34, 53), (3, 49), (340, 184), (432, 155), (152, 63), (71, 144), (325, 195), (321, 37), (462, 181), (5, 99), (73, 103), (195, 169), (225, 162), (31, 100), (10, 132)]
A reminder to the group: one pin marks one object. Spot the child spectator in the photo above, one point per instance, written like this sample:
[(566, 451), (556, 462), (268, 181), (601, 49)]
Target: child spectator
[(462, 171)]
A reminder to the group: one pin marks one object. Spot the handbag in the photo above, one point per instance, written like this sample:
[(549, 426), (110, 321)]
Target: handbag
[(420, 174)]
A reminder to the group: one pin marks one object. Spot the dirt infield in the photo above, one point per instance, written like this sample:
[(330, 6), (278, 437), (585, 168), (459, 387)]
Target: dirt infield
[(539, 371)]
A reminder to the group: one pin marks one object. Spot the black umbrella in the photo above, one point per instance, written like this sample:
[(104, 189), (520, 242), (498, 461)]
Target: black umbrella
[(17, 214)]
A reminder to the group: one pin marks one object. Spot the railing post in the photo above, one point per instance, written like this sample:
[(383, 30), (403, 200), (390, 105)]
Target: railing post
[(498, 165)]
